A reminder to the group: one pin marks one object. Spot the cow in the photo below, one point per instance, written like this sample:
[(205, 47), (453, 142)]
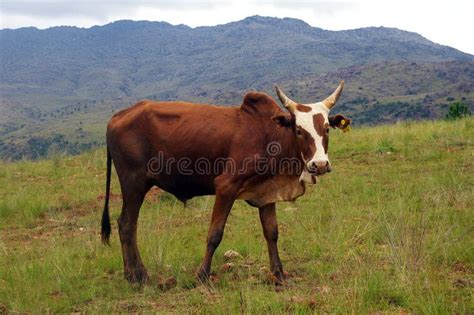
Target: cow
[(245, 141)]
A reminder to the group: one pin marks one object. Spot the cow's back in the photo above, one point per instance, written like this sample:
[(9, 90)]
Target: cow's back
[(176, 129)]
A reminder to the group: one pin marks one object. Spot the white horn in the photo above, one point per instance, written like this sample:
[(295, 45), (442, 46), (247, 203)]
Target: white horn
[(285, 100), (332, 99)]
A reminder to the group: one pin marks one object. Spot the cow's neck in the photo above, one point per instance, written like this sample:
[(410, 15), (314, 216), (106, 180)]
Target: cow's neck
[(284, 185), (290, 149), (285, 137)]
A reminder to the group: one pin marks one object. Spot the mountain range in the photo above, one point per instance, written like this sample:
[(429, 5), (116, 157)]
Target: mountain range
[(59, 86)]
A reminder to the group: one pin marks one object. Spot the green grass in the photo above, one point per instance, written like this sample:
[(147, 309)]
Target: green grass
[(390, 230)]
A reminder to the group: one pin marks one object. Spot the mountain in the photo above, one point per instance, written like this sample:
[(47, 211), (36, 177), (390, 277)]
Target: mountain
[(61, 84)]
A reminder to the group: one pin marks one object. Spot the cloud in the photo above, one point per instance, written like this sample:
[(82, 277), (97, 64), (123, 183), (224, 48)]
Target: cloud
[(98, 9), (318, 6), (95, 8), (442, 22)]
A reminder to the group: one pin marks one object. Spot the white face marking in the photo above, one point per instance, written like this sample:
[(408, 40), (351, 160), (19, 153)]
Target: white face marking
[(305, 121)]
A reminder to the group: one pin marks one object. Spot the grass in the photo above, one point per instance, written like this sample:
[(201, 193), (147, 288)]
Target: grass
[(390, 230)]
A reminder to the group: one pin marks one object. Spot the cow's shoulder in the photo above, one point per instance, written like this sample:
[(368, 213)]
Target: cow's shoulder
[(258, 103)]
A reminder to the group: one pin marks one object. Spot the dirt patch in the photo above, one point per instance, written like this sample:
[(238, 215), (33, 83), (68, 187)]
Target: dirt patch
[(166, 284), (463, 283), (461, 267), (112, 197), (3, 309), (154, 194), (62, 222), (462, 275), (296, 303), (24, 237), (57, 222), (128, 307)]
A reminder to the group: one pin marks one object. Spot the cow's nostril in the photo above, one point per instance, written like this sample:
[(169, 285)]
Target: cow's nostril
[(312, 167)]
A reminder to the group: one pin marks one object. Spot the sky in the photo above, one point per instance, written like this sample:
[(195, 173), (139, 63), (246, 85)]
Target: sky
[(444, 22)]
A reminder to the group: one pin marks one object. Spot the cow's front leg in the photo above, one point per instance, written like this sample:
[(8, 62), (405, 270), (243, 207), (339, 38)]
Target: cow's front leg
[(270, 231), (220, 212)]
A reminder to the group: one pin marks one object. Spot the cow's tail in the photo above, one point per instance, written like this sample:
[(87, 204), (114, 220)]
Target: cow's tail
[(106, 229)]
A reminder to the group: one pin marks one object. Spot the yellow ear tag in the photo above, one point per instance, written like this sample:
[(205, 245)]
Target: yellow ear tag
[(343, 122)]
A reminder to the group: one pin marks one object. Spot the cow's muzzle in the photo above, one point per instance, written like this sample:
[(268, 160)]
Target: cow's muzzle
[(319, 167)]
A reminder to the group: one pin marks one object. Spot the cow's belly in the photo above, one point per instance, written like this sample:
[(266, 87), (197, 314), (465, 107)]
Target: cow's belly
[(184, 187), (279, 188)]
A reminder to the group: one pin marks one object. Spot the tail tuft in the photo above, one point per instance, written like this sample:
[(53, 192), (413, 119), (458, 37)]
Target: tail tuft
[(106, 229)]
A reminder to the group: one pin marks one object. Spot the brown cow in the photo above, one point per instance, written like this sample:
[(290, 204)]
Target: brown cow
[(256, 152)]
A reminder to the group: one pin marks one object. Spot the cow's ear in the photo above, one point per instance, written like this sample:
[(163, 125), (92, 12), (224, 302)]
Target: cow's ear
[(283, 120), (339, 121)]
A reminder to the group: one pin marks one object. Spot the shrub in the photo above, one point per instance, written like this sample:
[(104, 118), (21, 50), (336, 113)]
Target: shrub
[(457, 110)]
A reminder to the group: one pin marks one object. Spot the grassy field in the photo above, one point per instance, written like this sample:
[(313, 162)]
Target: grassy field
[(390, 230)]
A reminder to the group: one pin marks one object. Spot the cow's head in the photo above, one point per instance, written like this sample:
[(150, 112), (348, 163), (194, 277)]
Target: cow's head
[(311, 123)]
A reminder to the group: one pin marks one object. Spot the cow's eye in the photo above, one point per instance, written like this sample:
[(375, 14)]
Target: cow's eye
[(299, 133)]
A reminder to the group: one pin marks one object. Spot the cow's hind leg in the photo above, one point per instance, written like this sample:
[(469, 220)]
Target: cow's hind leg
[(270, 231), (133, 195)]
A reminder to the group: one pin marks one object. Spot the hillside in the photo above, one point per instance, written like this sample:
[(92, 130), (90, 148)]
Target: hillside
[(375, 94), (127, 58), (389, 231), (59, 86)]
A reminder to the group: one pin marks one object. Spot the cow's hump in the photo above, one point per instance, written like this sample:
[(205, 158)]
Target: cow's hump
[(257, 103)]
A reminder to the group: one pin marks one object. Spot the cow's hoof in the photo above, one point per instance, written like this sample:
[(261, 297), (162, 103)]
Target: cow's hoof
[(137, 276), (280, 276), (203, 276), (277, 278)]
